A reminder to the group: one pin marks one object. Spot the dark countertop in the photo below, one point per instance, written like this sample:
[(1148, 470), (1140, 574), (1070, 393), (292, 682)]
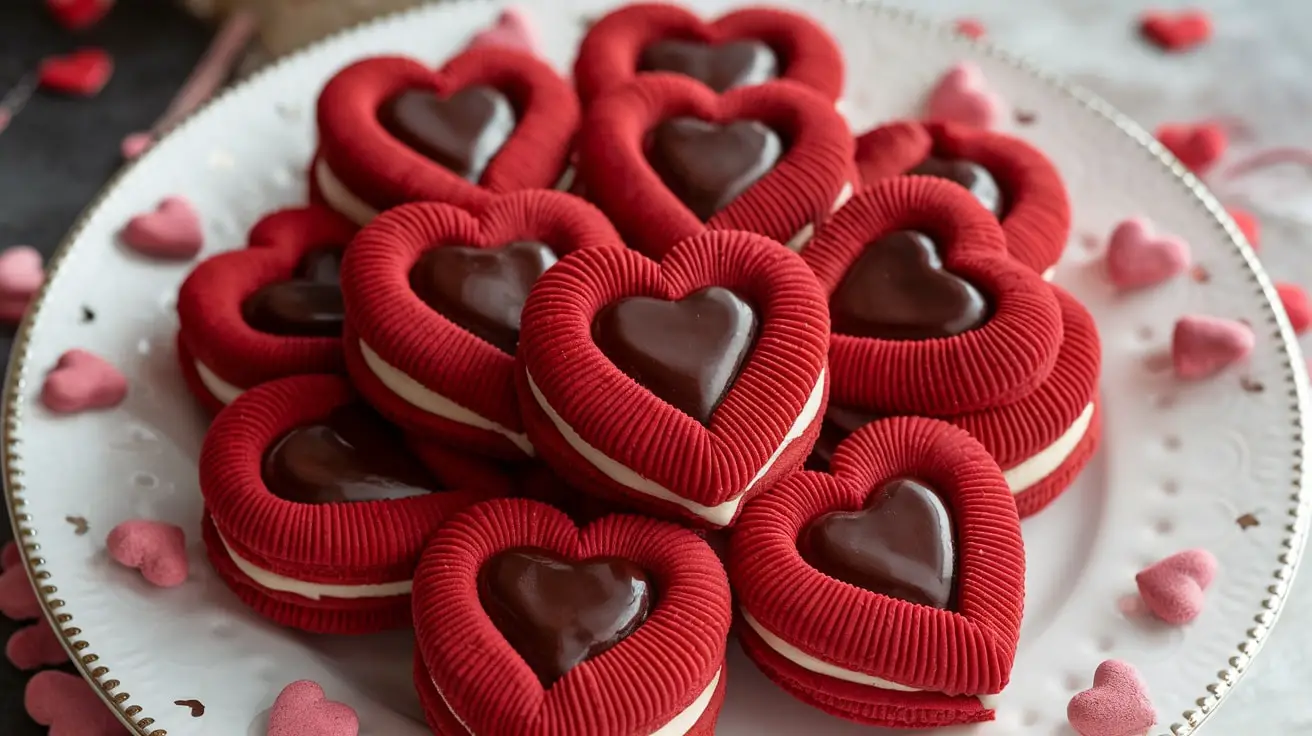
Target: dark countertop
[(59, 152)]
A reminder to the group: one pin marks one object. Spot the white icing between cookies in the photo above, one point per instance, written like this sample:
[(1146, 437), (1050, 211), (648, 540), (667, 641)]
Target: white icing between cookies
[(313, 591), (803, 236), (421, 397), (1039, 466), (807, 662), (721, 514), (1052, 271), (218, 388)]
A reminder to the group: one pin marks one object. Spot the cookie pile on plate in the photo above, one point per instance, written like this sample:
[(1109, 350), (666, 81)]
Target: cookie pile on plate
[(534, 343)]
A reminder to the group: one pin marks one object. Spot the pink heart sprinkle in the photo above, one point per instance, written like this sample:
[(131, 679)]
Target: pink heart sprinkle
[(83, 381), (512, 31), (17, 596), (67, 704), (35, 646), (21, 277), (302, 709), (1137, 257), (1203, 346), (1116, 705), (157, 549), (963, 96), (136, 144), (172, 231), (1173, 588)]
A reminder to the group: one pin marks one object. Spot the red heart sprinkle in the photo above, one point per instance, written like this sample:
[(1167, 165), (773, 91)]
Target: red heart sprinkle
[(1248, 225), (1178, 31), (1295, 302), (77, 15), (970, 28), (1197, 146), (84, 72)]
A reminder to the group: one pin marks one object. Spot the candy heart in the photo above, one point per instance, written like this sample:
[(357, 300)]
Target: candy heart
[(1197, 146), (971, 28), (1203, 346), (513, 30), (963, 96), (1295, 302), (157, 549), (1137, 257), (83, 72), (77, 15), (1178, 31), (35, 646), (172, 231), (1173, 588), (1116, 705), (67, 704), (302, 709), (83, 381), (21, 277), (18, 599)]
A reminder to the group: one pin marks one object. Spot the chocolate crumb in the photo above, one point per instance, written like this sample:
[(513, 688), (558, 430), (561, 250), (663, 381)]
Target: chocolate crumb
[(1247, 521), (79, 523), (197, 707), (88, 314)]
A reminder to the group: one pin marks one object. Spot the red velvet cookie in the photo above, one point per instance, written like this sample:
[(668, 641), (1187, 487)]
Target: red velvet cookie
[(929, 315), (682, 387), (1042, 441), (528, 625), (316, 513), (268, 311), (1008, 176), (890, 592), (490, 121), (667, 157), (433, 297), (745, 47)]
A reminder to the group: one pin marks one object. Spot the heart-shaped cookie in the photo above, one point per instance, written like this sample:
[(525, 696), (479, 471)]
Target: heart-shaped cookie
[(1008, 176), (1203, 346), (945, 336), (1137, 256), (1116, 705), (682, 387), (528, 625), (963, 96), (391, 131), (83, 381), (666, 158), (316, 513), (172, 231), (156, 548), (435, 279), (302, 708), (890, 592), (745, 47), (271, 310), (1173, 588)]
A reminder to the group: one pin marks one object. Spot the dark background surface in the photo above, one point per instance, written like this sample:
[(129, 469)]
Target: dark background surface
[(60, 151)]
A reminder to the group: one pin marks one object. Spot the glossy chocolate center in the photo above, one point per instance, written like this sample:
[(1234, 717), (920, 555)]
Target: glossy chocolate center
[(720, 67), (687, 352), (461, 132), (975, 178), (899, 290), (899, 545), (350, 455), (482, 289), (308, 305), (707, 165), (557, 613), (839, 423)]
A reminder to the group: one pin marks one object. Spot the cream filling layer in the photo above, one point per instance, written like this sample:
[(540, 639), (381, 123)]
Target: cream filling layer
[(1041, 465), (720, 514), (1052, 271), (677, 726), (313, 591), (804, 235), (421, 397), (218, 388), (807, 662)]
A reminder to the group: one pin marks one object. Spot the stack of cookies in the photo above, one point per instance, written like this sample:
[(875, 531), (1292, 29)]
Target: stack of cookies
[(535, 346)]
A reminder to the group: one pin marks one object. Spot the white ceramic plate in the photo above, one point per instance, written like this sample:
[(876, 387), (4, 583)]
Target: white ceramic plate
[(1180, 463)]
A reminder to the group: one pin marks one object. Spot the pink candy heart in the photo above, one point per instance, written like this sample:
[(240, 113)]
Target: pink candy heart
[(302, 709), (83, 381), (172, 231), (1173, 588), (17, 596), (67, 704), (1203, 346), (157, 549), (135, 144), (963, 96), (35, 646), (512, 31), (21, 277), (1116, 705), (1137, 257)]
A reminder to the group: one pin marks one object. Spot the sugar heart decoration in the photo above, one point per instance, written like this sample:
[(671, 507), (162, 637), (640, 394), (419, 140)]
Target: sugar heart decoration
[(1203, 346), (173, 231), (972, 28), (21, 276), (67, 704), (1197, 146), (1179, 31), (83, 381), (77, 15), (1295, 302), (84, 72), (302, 709), (513, 30), (1116, 705), (17, 596), (1248, 225), (1173, 588), (157, 549), (963, 96), (35, 646), (1138, 257)]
